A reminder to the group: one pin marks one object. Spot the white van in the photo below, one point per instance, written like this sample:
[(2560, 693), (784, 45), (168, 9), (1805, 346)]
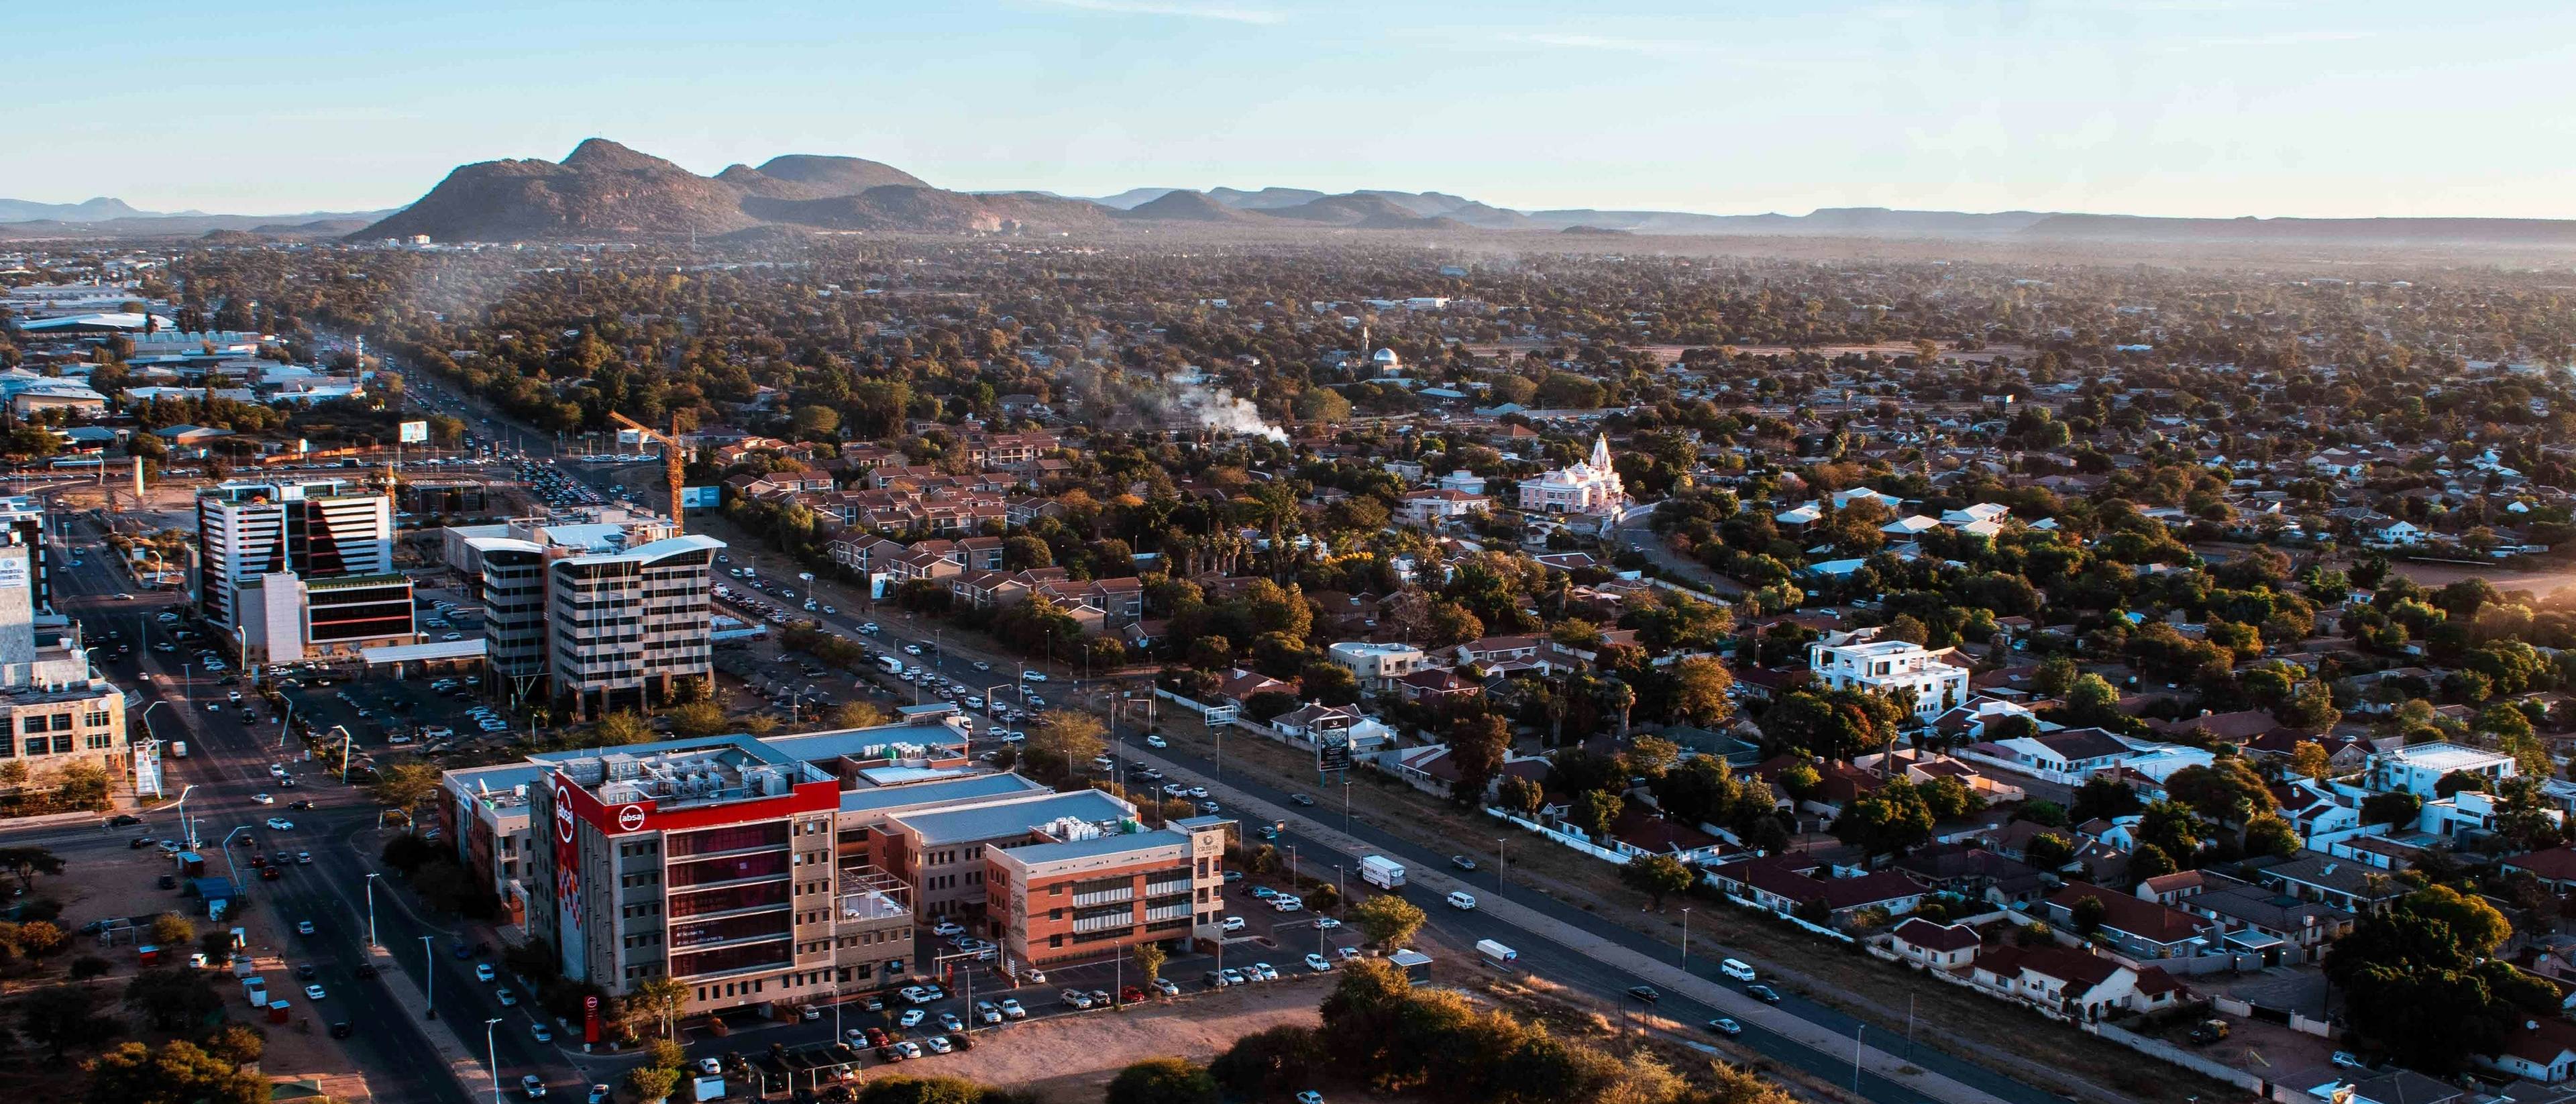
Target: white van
[(1462, 900), (1735, 969)]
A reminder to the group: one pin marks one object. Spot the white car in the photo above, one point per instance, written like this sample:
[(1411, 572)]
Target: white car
[(911, 1017), (1319, 964), (1011, 1007), (1157, 742), (1234, 923), (483, 971), (262, 799), (710, 1065), (314, 992), (1033, 676), (280, 824)]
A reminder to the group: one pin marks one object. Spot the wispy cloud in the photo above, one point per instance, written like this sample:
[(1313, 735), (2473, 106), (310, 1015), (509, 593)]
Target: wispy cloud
[(2289, 38), (1608, 43), (1227, 13)]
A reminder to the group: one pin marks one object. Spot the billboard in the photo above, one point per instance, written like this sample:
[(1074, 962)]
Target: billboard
[(630, 437), (701, 498), (414, 433)]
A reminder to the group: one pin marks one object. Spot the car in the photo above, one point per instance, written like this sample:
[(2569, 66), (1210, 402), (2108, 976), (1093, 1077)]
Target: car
[(911, 1017), (1075, 997), (1033, 676), (1726, 1026), (1310, 1096), (2349, 1060), (988, 1012), (1198, 791), (935, 992), (1209, 807), (304, 858), (1763, 993), (1269, 832), (262, 799), (271, 874), (980, 665), (1462, 862), (1462, 900), (1303, 801), (946, 928), (914, 994), (342, 1030), (169, 881), (1261, 971), (710, 1066), (232, 696), (314, 992), (1153, 741), (2208, 1031), (542, 1033), (1319, 963), (907, 1048), (938, 1044), (532, 1086), (1167, 987), (1011, 1007), (304, 927), (1263, 893), (1234, 923), (599, 1094), (1286, 903), (949, 1021), (1646, 993), (483, 972), (124, 819), (506, 997), (299, 806)]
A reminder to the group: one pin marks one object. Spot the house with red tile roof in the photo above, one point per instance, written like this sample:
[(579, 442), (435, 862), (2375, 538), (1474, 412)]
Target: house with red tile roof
[(2138, 927), (1780, 884), (1938, 946), (2070, 984)]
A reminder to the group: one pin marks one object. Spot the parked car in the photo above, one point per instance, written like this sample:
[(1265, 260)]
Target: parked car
[(1076, 998), (1011, 1008)]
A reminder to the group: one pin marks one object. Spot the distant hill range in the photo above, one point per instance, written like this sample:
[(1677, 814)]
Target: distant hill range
[(115, 218), (606, 191)]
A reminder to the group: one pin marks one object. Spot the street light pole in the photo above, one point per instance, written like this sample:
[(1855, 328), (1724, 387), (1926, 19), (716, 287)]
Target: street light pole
[(1857, 1032), (429, 977), (1685, 937), (1500, 866), (371, 908), (492, 1054)]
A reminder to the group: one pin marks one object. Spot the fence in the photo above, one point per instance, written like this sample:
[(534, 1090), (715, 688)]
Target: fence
[(1200, 708), (2157, 1048), (1602, 853)]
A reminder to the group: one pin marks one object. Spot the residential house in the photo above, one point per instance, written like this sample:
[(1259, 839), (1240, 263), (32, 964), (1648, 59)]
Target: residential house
[(2138, 928), (2071, 984), (1936, 946)]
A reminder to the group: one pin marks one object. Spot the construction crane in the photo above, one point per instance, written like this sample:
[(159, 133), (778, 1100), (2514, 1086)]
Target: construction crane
[(670, 456)]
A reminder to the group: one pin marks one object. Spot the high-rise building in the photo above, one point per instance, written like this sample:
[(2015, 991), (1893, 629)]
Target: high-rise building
[(22, 523), (326, 529), (710, 862), (605, 610)]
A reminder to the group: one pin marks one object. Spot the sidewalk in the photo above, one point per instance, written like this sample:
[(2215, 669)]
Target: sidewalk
[(1662, 975)]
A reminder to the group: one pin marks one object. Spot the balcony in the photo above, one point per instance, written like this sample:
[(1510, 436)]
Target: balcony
[(1119, 895)]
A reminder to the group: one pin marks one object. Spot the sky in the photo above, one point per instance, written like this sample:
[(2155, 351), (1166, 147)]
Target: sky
[(2217, 108)]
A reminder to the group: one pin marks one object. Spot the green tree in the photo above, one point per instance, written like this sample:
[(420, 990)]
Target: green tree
[(1700, 686), (2308, 760), (814, 423), (1388, 920), (621, 728), (2478, 927), (1478, 746), (2268, 834), (24, 863), (2170, 825), (700, 719), (2092, 701), (179, 1073), (1269, 1062), (2087, 914), (1892, 821), (1162, 1081), (2396, 808), (1657, 876), (60, 1015), (1149, 960), (2149, 861), (405, 786), (172, 930), (2049, 851), (652, 1083), (1595, 811), (2103, 797), (2227, 790), (656, 1002)]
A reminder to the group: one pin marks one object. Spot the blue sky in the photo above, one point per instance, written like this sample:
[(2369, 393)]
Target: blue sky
[(2169, 107)]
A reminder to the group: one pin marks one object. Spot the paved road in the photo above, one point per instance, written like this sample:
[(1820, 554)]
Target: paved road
[(1635, 530)]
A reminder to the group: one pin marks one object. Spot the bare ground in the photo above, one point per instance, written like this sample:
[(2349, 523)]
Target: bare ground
[(1072, 1058)]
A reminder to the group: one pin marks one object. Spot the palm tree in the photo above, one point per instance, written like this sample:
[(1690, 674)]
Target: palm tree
[(1619, 696)]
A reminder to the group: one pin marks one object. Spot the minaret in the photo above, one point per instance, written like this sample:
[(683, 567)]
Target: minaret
[(1601, 453)]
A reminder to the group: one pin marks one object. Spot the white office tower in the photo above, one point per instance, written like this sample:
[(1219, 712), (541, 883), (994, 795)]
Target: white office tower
[(317, 530), (621, 621)]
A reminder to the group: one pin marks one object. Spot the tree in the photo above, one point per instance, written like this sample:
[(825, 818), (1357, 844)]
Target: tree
[(180, 1072), (238, 1044), (2149, 861), (666, 1053), (405, 786), (1149, 960), (2308, 760), (1658, 877), (1891, 821), (2087, 913), (60, 1015), (2227, 790), (858, 714), (1268, 1062), (1519, 795), (2170, 825), (656, 1001), (700, 719), (2268, 834), (24, 863), (2395, 807), (2049, 851), (1699, 691), (2092, 701), (652, 1083), (1067, 736), (620, 728), (1388, 920), (2102, 797), (1478, 745), (814, 423), (1595, 811), (171, 930), (1162, 1081), (2477, 925)]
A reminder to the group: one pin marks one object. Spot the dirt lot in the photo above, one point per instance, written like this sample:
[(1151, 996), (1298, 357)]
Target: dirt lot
[(1072, 1058), (2014, 1040)]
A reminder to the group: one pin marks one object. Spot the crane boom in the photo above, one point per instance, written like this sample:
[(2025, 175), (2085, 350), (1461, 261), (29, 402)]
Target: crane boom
[(670, 456)]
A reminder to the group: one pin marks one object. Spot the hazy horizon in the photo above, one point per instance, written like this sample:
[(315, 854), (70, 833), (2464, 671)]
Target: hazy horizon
[(2194, 108)]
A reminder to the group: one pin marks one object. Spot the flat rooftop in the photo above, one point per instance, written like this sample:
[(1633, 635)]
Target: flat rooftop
[(868, 798), (1113, 844), (2446, 756), (1013, 818)]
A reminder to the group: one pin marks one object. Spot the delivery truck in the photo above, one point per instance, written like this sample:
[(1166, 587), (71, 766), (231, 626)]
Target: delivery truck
[(1382, 872), (1495, 953)]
